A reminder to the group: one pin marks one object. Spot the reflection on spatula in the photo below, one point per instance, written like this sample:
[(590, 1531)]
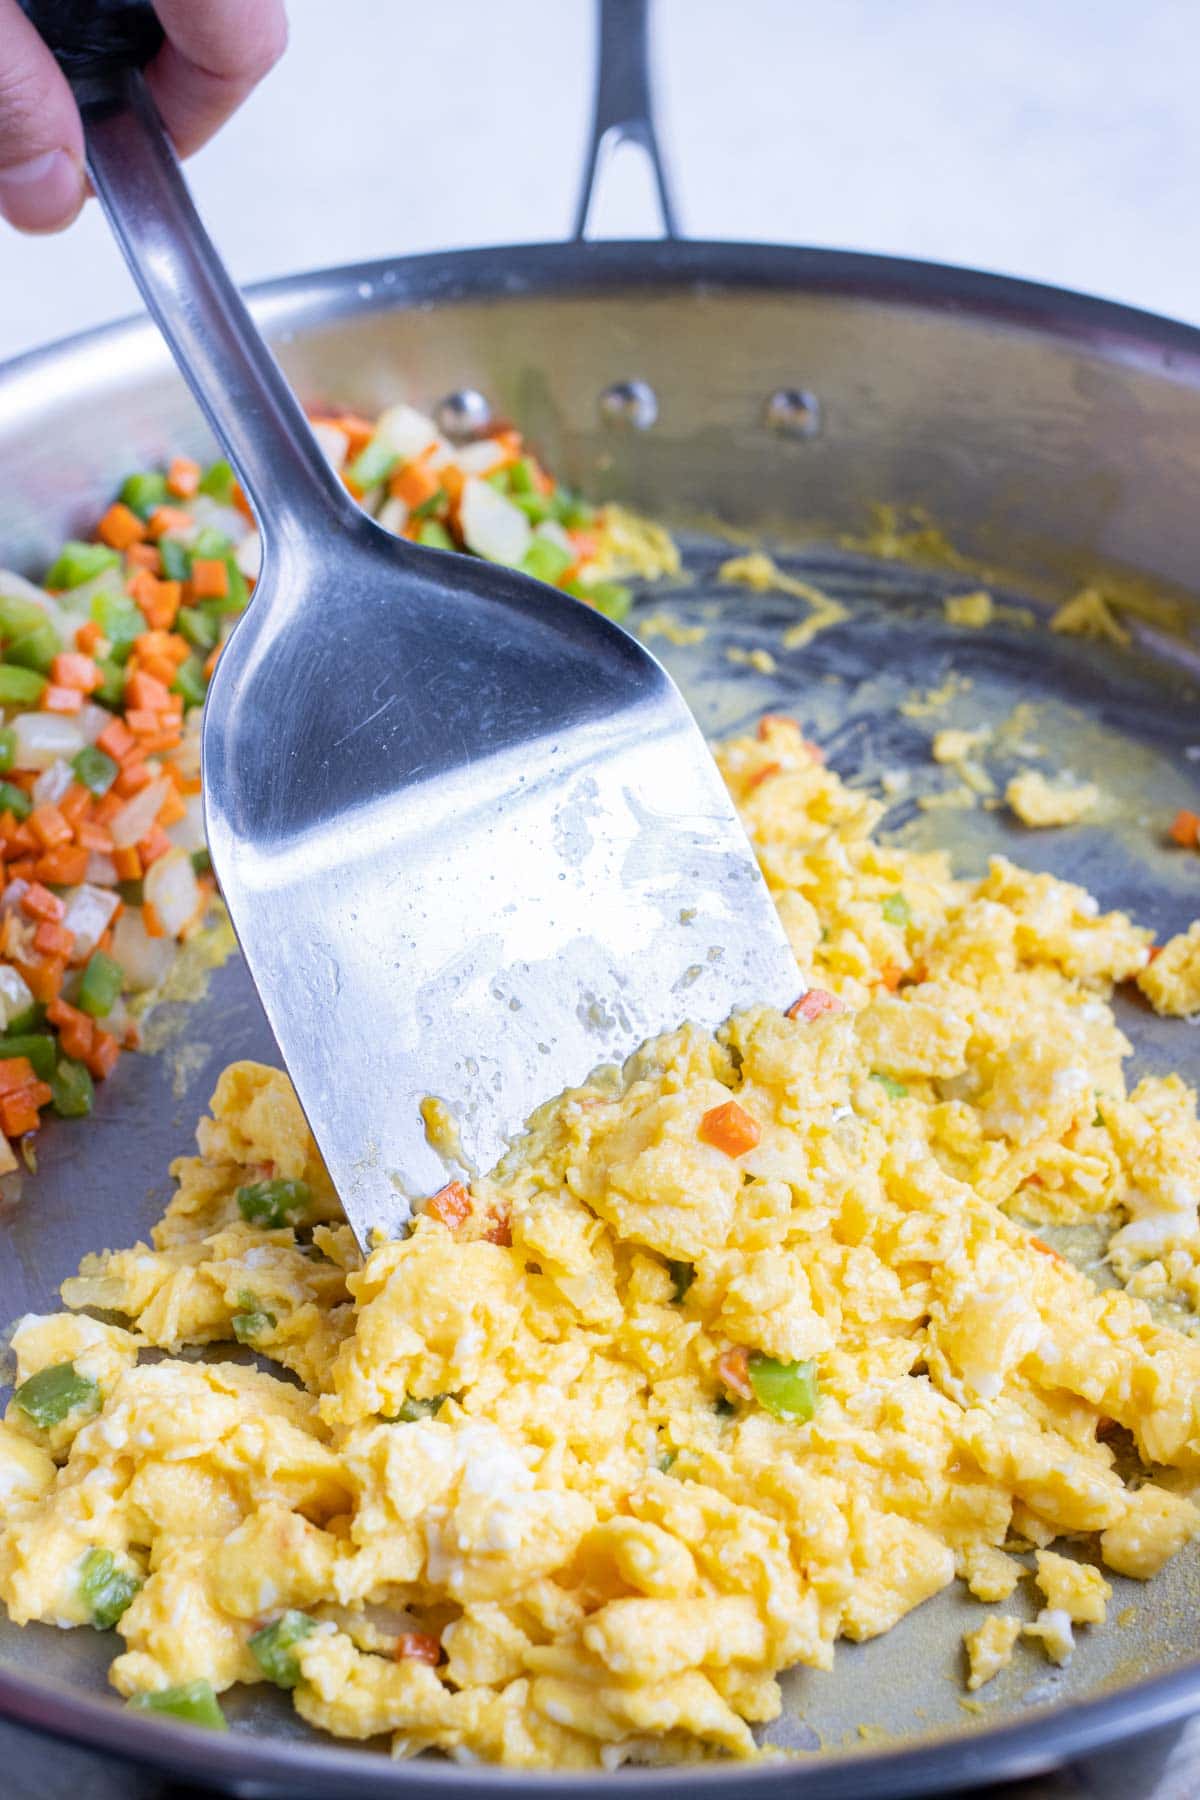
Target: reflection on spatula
[(470, 836)]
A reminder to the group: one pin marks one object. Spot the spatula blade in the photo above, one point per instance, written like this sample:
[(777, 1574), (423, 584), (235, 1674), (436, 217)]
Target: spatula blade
[(494, 855)]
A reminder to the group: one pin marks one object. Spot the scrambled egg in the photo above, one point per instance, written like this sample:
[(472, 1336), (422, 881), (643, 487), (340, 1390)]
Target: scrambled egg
[(742, 1349), (1039, 802)]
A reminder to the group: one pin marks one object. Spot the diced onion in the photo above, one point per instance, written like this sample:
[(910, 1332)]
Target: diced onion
[(53, 783), (333, 441), (88, 914), (144, 959), (131, 824), (248, 555), (77, 601), (481, 457), (492, 526), (101, 869), (10, 900), (44, 738), (188, 833), (407, 433), (209, 515), (92, 720), (15, 997), (172, 890), (393, 515), (186, 754), (19, 589), (554, 533)]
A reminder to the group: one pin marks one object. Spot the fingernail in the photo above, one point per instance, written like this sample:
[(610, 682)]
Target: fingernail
[(42, 194)]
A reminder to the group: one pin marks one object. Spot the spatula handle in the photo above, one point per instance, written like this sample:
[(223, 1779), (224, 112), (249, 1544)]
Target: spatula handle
[(101, 45)]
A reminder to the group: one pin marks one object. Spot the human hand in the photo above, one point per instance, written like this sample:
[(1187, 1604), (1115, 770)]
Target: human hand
[(216, 52)]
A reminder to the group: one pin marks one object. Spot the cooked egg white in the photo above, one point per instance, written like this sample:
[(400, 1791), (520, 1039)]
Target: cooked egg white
[(535, 1441)]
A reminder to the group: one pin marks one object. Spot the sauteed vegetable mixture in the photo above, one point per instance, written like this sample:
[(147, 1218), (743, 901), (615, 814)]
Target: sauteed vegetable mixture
[(749, 1346), (103, 671)]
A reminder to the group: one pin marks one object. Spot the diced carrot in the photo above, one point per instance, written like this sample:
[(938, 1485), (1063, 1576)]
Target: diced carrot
[(414, 483), (15, 1072), (168, 518), (134, 776), (143, 692), (172, 809), (116, 741), (120, 527), (128, 864), (142, 721), (417, 1646), (584, 544), (183, 477), (44, 978), (40, 903), (21, 869), (71, 670), (1185, 829), (159, 600), (891, 975), (450, 1205), (75, 1029), (769, 720), (1046, 1249), (500, 1232), (88, 637), (151, 920), (48, 826), (18, 1113), (453, 480), (144, 556), (156, 843), (54, 940), (104, 1054), (75, 805), (65, 865), (763, 774), (155, 743), (734, 1370), (210, 578), (210, 661), (816, 754), (60, 699), (813, 1004), (94, 837), (730, 1128)]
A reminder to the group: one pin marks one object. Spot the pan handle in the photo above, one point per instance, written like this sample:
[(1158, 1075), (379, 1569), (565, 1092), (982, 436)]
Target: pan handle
[(623, 106)]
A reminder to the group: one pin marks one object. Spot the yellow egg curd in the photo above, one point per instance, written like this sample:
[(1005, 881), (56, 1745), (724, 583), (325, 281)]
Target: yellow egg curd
[(743, 1348)]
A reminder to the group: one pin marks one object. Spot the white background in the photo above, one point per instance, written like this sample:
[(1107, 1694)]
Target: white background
[(1058, 139)]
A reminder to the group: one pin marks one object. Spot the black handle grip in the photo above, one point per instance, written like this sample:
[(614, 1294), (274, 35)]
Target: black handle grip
[(95, 42)]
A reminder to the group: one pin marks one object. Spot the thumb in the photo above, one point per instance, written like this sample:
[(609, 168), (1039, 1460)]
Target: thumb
[(42, 184)]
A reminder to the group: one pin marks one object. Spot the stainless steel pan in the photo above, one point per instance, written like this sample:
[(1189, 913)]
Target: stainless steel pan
[(783, 391)]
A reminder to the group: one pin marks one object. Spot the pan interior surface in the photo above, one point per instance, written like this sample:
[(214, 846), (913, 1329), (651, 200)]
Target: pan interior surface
[(871, 688)]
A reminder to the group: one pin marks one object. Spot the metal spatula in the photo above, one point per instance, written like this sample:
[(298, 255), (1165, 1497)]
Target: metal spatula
[(470, 837)]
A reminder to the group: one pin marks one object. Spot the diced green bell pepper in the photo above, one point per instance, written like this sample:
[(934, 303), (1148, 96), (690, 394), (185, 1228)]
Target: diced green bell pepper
[(105, 1589), (120, 621), (176, 559), (434, 536), (40, 1049), (895, 1090), (18, 615), (546, 561), (373, 464), (34, 649), (77, 563), (274, 1647), (190, 681), (52, 1393), (786, 1389), (95, 768), (194, 1702), (24, 1022), (218, 482), (15, 800), (253, 1320), (143, 493), (896, 910), (8, 748), (608, 597), (100, 986), (273, 1203), (682, 1274), (111, 691), (410, 1410)]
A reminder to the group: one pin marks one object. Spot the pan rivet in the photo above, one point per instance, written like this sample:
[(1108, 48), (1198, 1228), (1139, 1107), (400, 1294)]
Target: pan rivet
[(793, 412), (629, 403), (463, 414)]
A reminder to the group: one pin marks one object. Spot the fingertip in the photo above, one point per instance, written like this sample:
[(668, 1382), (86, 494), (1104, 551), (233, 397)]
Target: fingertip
[(43, 193)]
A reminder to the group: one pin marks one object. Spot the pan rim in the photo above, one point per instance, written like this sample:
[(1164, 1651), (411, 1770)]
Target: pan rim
[(1107, 329)]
